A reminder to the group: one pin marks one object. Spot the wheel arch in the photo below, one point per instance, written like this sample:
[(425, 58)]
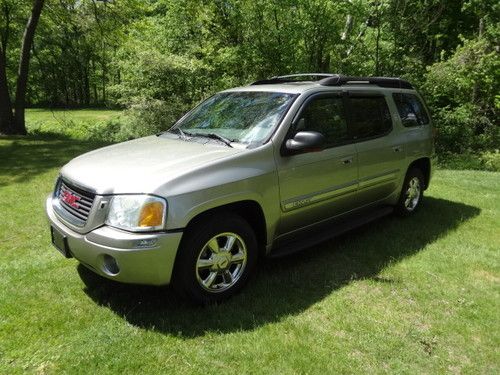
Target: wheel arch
[(424, 165), (249, 210)]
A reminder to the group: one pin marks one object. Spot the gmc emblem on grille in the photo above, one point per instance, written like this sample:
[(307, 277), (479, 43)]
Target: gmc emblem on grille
[(70, 199)]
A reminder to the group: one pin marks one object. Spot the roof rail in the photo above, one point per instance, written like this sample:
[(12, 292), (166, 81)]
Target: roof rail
[(294, 78), (392, 82), (327, 79)]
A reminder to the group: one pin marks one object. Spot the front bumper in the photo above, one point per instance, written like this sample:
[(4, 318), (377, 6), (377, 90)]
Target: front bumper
[(141, 258)]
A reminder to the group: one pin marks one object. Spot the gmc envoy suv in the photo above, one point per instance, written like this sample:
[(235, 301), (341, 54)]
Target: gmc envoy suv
[(262, 170)]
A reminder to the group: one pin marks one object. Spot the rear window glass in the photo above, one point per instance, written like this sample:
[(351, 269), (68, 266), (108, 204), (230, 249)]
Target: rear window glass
[(410, 104), (370, 116)]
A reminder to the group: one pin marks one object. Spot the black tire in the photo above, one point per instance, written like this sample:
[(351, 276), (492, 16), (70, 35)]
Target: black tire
[(192, 280), (409, 199)]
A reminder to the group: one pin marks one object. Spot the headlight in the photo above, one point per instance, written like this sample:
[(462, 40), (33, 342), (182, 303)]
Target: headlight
[(137, 212)]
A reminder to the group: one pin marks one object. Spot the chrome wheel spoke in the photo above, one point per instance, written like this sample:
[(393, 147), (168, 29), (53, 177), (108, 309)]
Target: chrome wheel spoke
[(228, 277), (238, 258), (408, 202), (229, 243), (205, 263), (213, 245), (208, 282)]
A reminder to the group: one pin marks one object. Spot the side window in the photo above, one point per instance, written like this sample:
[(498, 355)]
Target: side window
[(326, 116), (370, 116), (410, 104)]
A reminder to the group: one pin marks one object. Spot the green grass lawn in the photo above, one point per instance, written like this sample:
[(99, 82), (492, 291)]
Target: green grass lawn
[(75, 123), (419, 295)]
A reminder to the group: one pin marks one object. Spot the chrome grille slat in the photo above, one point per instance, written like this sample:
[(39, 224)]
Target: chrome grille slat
[(84, 201), (73, 211)]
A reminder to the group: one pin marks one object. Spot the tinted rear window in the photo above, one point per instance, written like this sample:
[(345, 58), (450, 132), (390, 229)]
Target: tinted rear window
[(409, 103), (370, 117)]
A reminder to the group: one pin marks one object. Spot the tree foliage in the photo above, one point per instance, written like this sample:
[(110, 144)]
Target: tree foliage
[(163, 56)]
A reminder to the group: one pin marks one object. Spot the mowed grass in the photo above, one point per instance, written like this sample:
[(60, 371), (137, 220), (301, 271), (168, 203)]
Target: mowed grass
[(416, 295), (75, 123)]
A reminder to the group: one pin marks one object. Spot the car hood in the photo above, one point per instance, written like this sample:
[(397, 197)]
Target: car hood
[(141, 165)]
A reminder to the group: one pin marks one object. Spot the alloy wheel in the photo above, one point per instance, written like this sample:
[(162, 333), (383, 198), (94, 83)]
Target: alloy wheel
[(221, 262)]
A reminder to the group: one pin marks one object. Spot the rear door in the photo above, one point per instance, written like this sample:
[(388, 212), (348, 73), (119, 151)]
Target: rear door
[(317, 185), (417, 124), (380, 147)]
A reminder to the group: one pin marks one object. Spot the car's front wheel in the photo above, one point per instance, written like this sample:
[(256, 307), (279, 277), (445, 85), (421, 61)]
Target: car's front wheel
[(215, 259)]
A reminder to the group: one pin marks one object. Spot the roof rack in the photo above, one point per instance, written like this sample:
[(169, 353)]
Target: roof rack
[(379, 81), (327, 79), (294, 78)]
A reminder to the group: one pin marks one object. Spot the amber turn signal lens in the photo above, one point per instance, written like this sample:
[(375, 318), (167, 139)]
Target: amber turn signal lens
[(151, 215)]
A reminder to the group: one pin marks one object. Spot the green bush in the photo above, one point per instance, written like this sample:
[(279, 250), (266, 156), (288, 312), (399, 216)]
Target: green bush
[(462, 92), (491, 160), (464, 128), (150, 116), (486, 161), (142, 118)]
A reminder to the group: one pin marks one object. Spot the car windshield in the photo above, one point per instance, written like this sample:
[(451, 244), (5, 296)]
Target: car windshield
[(244, 117)]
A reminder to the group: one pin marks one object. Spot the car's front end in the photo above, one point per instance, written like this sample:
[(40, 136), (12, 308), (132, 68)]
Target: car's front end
[(109, 208), (121, 237)]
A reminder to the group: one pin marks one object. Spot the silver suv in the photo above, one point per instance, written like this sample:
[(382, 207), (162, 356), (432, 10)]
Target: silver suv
[(262, 170)]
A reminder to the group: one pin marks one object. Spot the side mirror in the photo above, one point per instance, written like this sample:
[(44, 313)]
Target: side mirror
[(410, 120), (305, 141)]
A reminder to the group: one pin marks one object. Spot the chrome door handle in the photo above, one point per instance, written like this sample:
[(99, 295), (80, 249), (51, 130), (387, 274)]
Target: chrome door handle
[(347, 160)]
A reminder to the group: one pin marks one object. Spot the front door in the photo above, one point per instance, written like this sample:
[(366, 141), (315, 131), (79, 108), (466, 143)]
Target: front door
[(315, 186)]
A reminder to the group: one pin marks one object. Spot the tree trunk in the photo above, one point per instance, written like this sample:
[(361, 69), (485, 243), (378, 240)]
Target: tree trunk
[(24, 60), (6, 118), (377, 50), (475, 88)]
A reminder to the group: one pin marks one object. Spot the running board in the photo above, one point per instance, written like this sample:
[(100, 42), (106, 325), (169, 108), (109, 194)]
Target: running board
[(327, 231)]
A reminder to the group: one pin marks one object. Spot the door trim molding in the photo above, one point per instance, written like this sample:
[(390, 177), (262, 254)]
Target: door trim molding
[(378, 178), (318, 196)]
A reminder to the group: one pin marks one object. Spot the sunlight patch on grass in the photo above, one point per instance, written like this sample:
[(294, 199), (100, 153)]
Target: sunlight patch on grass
[(71, 123)]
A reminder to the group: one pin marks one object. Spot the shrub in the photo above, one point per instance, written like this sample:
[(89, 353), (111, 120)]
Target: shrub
[(487, 161), (464, 128), (150, 116), (491, 160), (462, 92)]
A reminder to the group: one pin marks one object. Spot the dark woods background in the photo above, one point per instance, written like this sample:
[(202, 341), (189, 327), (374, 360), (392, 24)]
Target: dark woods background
[(159, 57)]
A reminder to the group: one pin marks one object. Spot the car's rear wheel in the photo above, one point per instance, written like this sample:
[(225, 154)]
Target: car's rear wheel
[(411, 193), (215, 259)]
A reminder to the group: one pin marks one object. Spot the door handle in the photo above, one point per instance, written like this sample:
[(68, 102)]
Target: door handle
[(397, 148), (347, 160)]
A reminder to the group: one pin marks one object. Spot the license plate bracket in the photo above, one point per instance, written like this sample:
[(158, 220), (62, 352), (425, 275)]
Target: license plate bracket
[(60, 242)]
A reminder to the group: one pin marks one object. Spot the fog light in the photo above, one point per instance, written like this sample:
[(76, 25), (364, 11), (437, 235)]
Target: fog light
[(110, 265)]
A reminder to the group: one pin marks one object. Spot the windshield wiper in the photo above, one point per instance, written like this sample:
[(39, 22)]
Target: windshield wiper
[(182, 134), (221, 138)]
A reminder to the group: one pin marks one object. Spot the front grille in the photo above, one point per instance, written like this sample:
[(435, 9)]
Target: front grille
[(75, 201)]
